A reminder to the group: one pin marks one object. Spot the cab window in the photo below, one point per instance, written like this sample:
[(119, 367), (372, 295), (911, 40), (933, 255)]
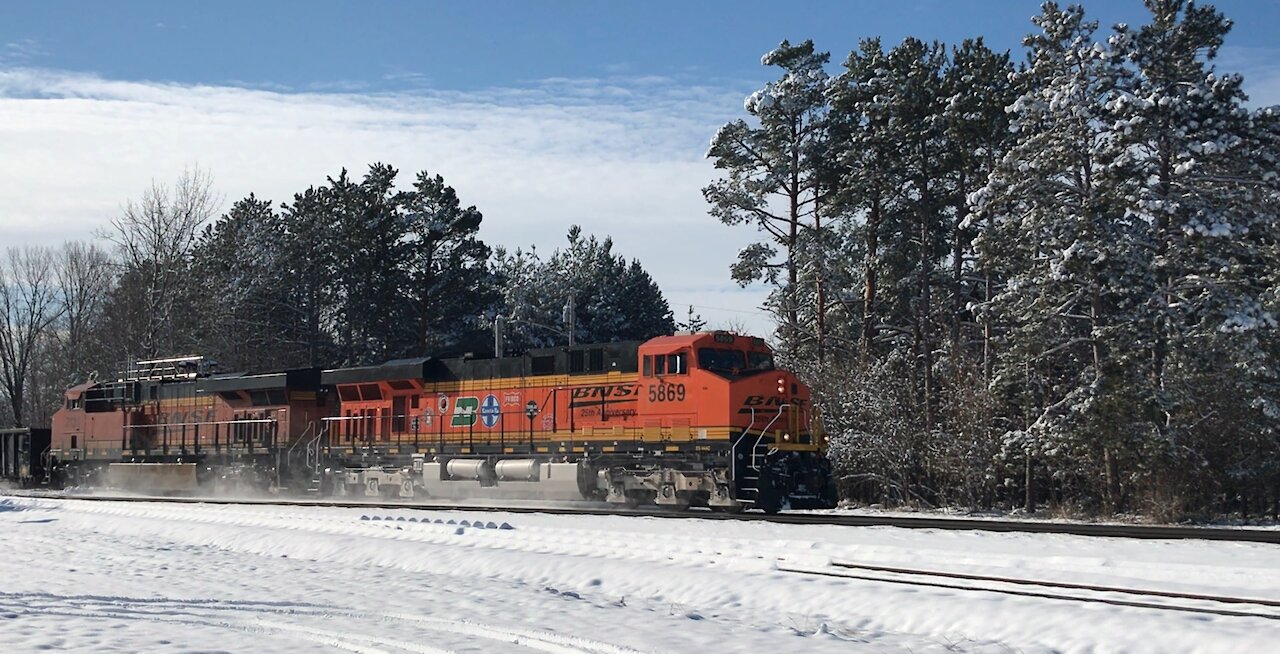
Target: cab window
[(667, 364), (677, 363)]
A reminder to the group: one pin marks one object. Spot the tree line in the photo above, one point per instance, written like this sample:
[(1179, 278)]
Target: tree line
[(1049, 280), (349, 272)]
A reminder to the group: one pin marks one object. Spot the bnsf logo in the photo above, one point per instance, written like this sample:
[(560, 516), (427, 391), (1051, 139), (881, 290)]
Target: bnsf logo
[(602, 392), (760, 400)]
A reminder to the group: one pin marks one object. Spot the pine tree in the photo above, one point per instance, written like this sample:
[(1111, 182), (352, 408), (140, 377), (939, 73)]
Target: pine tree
[(447, 266), (693, 322), (978, 85), (613, 299), (871, 178), (310, 260), (778, 180), (1193, 177), (1070, 254), (245, 315)]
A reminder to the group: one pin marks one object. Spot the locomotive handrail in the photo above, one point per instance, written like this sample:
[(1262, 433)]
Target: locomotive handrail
[(125, 430), (733, 457), (47, 457), (733, 451), (301, 436), (313, 447), (255, 421), (288, 457), (765, 430)]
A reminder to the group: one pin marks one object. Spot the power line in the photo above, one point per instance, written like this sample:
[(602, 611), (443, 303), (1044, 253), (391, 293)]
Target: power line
[(703, 306)]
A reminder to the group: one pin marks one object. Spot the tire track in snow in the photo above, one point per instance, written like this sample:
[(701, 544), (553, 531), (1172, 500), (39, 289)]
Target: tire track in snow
[(218, 613)]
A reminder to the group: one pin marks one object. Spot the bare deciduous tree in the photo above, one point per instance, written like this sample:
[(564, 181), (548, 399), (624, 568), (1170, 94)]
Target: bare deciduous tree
[(155, 237), (29, 306), (84, 281)]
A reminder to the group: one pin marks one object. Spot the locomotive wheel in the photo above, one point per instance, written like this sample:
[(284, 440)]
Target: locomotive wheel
[(641, 497), (768, 500), (728, 509)]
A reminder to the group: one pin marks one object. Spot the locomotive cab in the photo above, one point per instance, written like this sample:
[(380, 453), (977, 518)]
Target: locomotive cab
[(737, 385), (728, 388)]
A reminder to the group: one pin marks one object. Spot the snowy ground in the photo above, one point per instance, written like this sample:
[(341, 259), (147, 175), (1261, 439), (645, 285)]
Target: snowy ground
[(149, 577)]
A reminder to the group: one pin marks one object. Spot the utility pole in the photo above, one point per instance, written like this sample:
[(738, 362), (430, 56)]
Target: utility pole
[(566, 329), (569, 311), (498, 349)]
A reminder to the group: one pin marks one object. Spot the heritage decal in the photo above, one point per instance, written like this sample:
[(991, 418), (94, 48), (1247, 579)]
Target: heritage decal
[(465, 410), (490, 411)]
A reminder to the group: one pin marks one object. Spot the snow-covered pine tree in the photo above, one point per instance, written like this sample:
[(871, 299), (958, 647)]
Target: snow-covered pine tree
[(526, 298), (870, 181), (613, 299), (309, 261), (979, 86), (1072, 261), (370, 249), (1194, 174), (640, 302), (245, 321), (777, 180), (976, 89), (446, 267)]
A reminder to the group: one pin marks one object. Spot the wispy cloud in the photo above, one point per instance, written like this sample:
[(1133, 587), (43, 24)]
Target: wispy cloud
[(21, 52), (407, 78), (619, 156)]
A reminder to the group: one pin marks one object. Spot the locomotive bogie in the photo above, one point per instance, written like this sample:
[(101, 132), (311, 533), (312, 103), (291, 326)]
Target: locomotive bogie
[(379, 483), (667, 487)]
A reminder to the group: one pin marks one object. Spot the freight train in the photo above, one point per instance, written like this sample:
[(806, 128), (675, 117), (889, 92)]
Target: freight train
[(692, 419)]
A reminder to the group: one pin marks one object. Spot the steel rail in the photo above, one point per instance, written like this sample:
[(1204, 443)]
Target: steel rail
[(1036, 594), (1058, 584), (905, 522)]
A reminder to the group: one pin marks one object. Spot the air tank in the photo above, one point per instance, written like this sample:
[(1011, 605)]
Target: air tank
[(517, 470), (466, 469)]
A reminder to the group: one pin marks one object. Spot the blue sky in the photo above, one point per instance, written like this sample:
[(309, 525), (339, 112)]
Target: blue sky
[(544, 114), (380, 44)]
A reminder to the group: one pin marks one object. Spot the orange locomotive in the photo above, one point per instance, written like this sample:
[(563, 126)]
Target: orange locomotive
[(691, 419)]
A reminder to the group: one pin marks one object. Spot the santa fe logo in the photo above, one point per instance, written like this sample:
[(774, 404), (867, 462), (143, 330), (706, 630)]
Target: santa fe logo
[(464, 411), (490, 411)]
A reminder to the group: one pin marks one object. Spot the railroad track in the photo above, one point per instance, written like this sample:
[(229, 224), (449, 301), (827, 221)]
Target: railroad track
[(905, 522), (1245, 607)]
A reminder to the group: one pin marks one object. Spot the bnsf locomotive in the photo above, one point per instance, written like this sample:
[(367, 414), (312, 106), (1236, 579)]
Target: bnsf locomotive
[(701, 419)]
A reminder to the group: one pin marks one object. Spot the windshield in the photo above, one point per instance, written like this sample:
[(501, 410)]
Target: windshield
[(758, 361), (720, 360), (733, 363)]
